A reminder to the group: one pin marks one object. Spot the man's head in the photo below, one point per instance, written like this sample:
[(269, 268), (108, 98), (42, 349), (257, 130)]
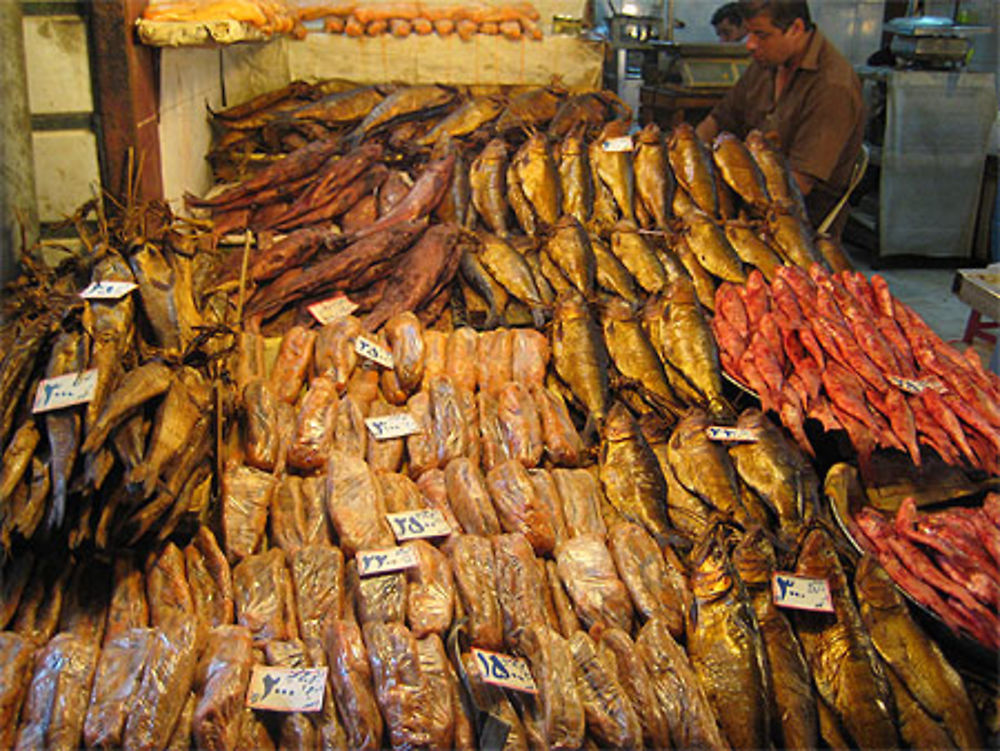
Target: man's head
[(778, 29), (729, 24)]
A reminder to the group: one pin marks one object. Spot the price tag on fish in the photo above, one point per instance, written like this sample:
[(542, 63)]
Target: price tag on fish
[(915, 385), (801, 593), (65, 391), (286, 689), (392, 426), (504, 670), (411, 525), (373, 562), (622, 143), (107, 290), (732, 435), (339, 306), (371, 350)]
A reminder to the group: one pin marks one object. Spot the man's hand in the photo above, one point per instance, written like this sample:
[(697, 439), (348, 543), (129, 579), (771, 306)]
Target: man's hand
[(707, 129)]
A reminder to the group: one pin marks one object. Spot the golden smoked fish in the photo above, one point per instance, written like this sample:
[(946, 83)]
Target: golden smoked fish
[(740, 171), (794, 720), (635, 358), (569, 248), (488, 181), (692, 166), (725, 646), (631, 476), (847, 672), (654, 181), (614, 166), (575, 179), (580, 355), (914, 658)]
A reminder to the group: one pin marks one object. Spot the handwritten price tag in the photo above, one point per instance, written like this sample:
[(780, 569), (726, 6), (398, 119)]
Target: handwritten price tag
[(107, 290), (286, 689), (371, 350), (392, 426), (504, 670), (801, 593), (65, 391), (339, 306), (732, 435), (411, 525), (622, 143), (372, 562), (915, 386)]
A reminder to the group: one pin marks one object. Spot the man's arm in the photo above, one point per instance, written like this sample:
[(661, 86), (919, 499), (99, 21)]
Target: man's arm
[(805, 182), (707, 129)]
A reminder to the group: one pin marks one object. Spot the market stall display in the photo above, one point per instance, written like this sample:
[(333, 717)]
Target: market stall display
[(513, 388)]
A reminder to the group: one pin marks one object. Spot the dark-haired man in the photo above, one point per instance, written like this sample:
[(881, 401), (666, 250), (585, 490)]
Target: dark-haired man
[(729, 24), (801, 92)]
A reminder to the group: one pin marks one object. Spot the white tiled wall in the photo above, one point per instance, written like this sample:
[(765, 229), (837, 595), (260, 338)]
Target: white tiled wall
[(66, 172), (57, 63)]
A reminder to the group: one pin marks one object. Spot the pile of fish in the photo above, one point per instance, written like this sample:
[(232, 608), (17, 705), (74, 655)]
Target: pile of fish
[(139, 453), (625, 649), (555, 192), (947, 560), (841, 349)]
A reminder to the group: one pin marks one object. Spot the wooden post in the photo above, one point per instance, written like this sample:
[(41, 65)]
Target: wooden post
[(127, 92)]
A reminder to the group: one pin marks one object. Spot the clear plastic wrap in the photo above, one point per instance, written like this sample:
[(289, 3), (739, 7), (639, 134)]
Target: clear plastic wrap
[(210, 579), (351, 679), (246, 496), (318, 579), (264, 597), (519, 424), (354, 503), (588, 573), (519, 507), (167, 589), (469, 498), (221, 684), (430, 591)]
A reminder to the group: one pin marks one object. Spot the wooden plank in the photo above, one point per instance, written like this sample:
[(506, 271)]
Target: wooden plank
[(126, 92)]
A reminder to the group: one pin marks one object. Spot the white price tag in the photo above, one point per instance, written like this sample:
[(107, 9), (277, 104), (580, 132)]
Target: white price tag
[(801, 593), (286, 689), (107, 290), (65, 391), (372, 562), (326, 311), (622, 143), (734, 435), (411, 525), (392, 426), (371, 350), (505, 670), (914, 385)]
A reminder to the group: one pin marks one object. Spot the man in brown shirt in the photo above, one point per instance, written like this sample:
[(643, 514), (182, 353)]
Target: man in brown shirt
[(802, 93)]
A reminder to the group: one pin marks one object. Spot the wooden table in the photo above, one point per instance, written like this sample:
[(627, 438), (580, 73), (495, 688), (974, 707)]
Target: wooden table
[(668, 104)]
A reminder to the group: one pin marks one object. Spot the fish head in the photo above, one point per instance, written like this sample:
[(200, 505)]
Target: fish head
[(711, 569), (874, 586), (817, 556), (754, 557), (650, 134), (619, 425)]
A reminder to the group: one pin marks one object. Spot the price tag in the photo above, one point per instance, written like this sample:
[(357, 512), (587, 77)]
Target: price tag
[(732, 435), (371, 350), (65, 391), (326, 311), (915, 386), (392, 426), (286, 689), (505, 670), (372, 562), (411, 525), (622, 143), (107, 290), (801, 593)]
